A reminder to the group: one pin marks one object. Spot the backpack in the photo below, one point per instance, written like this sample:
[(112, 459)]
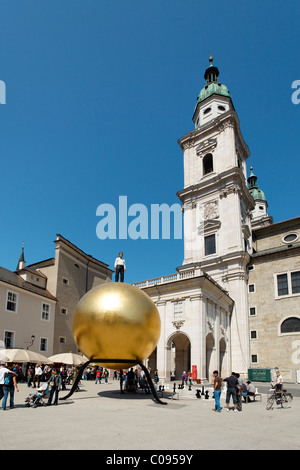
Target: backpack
[(8, 380)]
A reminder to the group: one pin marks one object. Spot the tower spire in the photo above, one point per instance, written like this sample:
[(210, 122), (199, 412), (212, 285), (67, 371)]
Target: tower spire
[(212, 88), (22, 262)]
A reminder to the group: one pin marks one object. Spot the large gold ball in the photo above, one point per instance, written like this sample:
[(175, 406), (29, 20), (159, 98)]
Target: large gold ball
[(116, 321)]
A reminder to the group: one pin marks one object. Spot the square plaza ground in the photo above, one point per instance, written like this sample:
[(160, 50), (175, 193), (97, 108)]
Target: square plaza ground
[(98, 417)]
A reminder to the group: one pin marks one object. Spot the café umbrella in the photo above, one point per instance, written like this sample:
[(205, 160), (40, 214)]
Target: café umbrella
[(69, 359), (23, 355)]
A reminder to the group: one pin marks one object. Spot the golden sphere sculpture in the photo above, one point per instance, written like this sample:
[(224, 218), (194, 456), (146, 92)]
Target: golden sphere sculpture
[(116, 321)]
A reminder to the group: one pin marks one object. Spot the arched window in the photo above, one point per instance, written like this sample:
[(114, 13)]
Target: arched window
[(208, 164), (291, 325)]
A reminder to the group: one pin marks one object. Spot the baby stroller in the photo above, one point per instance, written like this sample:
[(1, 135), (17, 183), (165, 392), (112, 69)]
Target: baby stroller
[(39, 398)]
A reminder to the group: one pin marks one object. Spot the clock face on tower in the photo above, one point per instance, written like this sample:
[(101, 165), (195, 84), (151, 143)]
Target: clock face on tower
[(211, 210)]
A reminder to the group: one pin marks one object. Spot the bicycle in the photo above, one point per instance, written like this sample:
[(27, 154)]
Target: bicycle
[(281, 397)]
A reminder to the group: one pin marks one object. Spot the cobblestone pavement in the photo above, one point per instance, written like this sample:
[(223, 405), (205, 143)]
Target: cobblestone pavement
[(98, 417)]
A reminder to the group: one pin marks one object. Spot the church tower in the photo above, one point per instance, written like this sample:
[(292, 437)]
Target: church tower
[(260, 217), (217, 204)]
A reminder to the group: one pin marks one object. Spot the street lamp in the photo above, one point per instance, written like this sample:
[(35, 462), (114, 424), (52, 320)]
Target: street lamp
[(32, 341)]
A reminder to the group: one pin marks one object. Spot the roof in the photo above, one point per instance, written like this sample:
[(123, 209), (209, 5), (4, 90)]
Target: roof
[(212, 86), (278, 227), (212, 89), (15, 280), (51, 261), (90, 258)]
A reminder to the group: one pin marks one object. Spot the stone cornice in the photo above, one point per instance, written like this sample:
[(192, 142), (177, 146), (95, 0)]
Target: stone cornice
[(227, 182), (216, 126), (197, 282)]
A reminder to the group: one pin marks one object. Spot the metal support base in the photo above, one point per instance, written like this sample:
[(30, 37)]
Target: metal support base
[(114, 361)]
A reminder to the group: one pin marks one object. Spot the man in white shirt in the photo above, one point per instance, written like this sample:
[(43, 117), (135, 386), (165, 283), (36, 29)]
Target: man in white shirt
[(278, 383), (37, 376), (120, 268), (3, 371)]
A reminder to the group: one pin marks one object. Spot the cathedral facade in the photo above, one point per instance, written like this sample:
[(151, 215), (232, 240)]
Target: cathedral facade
[(206, 307)]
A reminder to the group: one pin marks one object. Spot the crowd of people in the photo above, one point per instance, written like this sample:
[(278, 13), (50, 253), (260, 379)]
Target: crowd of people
[(131, 379), (36, 376), (49, 381), (56, 379), (135, 378)]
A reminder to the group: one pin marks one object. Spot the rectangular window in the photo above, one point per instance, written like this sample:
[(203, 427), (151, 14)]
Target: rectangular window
[(251, 287), (9, 339), (178, 311), (45, 312), (210, 245), (62, 340), (295, 277), (282, 284), (253, 334), (254, 359), (288, 283), (252, 311), (44, 344), (11, 301)]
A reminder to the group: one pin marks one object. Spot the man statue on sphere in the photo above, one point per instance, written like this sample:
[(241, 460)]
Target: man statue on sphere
[(120, 268)]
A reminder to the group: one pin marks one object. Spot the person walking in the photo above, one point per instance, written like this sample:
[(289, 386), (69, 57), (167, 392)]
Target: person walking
[(239, 392), (3, 371), (98, 376), (55, 384), (37, 376), (106, 374), (217, 391), (29, 376), (232, 383), (9, 386)]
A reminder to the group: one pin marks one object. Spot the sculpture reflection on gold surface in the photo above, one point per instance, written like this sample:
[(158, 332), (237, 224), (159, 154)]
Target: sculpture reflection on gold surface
[(116, 321)]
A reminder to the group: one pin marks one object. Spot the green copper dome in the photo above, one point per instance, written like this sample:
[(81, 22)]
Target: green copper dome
[(212, 83), (256, 193), (213, 88)]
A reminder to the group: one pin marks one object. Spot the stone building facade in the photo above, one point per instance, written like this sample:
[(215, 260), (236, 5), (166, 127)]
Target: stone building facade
[(70, 275), (251, 317), (42, 298), (274, 298), (27, 310)]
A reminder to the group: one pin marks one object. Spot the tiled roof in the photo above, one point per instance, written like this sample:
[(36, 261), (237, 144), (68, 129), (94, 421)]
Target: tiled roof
[(15, 280)]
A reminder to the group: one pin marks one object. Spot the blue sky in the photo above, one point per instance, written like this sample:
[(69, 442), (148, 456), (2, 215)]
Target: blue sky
[(97, 94)]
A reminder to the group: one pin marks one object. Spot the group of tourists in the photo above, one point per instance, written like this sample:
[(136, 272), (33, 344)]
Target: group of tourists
[(236, 389), (52, 379), (134, 379)]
